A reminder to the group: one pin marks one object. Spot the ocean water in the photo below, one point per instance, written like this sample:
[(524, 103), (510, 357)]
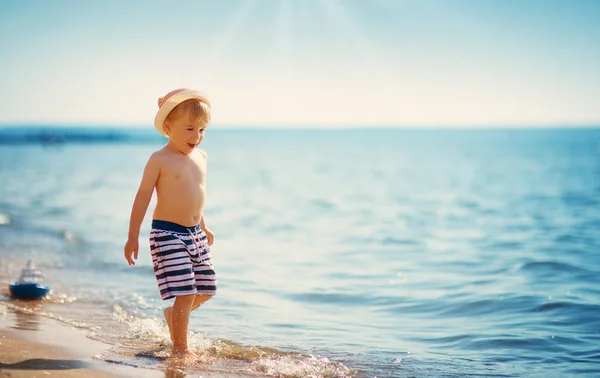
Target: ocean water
[(365, 253)]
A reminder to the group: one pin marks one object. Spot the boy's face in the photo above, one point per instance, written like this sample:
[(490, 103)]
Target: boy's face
[(185, 133)]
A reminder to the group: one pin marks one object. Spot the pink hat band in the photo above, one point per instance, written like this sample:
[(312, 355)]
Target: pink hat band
[(161, 100)]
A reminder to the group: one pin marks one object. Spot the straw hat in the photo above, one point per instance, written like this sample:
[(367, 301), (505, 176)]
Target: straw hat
[(167, 103)]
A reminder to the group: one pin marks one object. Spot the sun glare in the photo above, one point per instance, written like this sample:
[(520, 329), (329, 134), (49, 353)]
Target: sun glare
[(230, 33), (348, 30)]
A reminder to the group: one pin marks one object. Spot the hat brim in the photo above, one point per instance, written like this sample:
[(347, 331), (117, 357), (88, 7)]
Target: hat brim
[(170, 104)]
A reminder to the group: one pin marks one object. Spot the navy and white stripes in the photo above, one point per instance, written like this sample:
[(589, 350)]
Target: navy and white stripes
[(181, 260)]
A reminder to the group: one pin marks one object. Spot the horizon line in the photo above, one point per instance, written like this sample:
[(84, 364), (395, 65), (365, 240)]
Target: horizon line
[(231, 126)]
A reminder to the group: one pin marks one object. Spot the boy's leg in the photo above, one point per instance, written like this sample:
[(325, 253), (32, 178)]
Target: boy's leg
[(199, 300), (168, 312), (180, 319)]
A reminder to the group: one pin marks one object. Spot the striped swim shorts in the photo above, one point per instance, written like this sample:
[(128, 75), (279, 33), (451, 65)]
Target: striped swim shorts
[(181, 260)]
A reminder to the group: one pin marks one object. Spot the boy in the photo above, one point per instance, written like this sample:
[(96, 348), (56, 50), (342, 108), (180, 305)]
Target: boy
[(179, 239)]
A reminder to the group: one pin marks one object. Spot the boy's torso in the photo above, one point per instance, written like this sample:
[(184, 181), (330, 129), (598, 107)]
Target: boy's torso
[(181, 187)]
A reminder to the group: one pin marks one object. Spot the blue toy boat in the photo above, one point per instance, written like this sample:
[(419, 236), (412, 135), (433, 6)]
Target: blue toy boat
[(29, 285)]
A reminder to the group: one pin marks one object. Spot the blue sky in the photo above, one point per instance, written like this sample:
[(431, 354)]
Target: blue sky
[(280, 63)]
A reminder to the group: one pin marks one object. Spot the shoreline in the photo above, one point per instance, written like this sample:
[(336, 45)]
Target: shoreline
[(36, 345)]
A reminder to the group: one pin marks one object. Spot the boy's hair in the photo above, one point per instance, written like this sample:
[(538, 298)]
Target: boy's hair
[(195, 109)]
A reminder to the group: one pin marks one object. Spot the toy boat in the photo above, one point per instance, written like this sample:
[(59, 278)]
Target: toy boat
[(29, 285)]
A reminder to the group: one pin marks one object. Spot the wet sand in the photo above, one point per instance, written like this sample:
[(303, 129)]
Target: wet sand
[(19, 358), (35, 346), (32, 345)]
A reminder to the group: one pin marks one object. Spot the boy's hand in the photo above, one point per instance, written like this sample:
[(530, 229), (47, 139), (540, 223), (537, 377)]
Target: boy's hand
[(210, 237), (131, 248)]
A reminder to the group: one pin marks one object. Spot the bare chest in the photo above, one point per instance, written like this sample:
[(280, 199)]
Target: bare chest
[(191, 173)]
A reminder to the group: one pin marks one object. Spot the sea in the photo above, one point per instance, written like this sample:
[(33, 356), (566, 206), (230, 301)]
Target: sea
[(339, 253)]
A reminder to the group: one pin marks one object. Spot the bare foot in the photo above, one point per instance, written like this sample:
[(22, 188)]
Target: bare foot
[(167, 312), (184, 354)]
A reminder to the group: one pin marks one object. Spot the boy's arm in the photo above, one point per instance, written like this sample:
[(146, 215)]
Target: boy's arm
[(143, 197), (140, 205)]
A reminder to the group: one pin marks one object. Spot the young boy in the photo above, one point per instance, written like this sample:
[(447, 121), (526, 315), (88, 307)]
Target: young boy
[(179, 239)]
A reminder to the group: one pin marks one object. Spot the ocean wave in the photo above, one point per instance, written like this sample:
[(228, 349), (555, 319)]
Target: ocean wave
[(553, 267), (149, 338), (332, 298)]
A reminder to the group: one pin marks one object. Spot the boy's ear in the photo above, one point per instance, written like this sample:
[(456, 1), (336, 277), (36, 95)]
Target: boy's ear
[(167, 127)]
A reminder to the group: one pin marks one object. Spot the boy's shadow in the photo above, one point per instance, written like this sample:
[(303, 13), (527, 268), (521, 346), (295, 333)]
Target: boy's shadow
[(45, 364)]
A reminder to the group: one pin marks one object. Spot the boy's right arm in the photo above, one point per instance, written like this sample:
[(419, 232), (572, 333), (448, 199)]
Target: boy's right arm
[(140, 205)]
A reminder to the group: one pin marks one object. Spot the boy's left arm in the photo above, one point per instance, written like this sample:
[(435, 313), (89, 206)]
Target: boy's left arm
[(210, 237)]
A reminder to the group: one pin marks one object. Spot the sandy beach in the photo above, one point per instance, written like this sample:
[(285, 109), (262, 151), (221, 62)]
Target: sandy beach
[(21, 358), (35, 346)]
